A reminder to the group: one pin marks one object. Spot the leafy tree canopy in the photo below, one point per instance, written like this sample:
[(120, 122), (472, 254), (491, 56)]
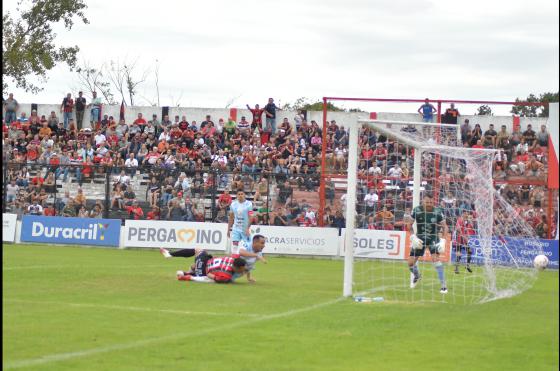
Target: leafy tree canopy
[(535, 111), (28, 40), (304, 103), (484, 110)]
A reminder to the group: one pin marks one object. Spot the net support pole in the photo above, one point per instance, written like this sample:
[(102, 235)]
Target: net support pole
[(350, 208), (417, 179)]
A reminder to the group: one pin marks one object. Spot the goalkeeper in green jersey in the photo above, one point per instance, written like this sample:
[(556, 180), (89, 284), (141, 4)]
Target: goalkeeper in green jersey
[(430, 223)]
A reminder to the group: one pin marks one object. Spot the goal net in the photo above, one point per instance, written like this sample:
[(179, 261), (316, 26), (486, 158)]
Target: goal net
[(488, 251)]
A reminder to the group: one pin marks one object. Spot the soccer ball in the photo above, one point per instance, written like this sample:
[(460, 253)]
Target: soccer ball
[(540, 262)]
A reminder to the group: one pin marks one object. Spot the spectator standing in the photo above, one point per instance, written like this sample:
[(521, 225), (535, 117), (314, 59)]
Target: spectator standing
[(95, 112), (11, 107), (427, 111), (270, 110), (67, 107), (298, 119), (451, 115), (80, 109), (257, 116)]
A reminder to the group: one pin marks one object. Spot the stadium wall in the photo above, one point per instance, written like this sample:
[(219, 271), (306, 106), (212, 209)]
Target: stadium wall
[(295, 241), (344, 118)]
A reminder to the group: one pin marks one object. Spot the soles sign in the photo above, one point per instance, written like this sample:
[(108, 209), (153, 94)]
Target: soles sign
[(376, 244)]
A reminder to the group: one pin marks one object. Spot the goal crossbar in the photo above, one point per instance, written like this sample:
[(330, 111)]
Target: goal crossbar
[(378, 125)]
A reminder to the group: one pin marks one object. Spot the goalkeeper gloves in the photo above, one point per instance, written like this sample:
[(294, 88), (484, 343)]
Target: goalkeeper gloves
[(441, 246), (415, 242)]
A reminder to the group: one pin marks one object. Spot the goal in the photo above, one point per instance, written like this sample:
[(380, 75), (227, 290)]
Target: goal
[(488, 249)]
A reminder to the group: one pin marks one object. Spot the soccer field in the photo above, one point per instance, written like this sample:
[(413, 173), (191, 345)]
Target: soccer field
[(70, 308)]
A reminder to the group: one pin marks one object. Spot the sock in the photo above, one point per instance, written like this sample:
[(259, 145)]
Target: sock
[(439, 269), (457, 259), (468, 258), (202, 279), (185, 253), (414, 270)]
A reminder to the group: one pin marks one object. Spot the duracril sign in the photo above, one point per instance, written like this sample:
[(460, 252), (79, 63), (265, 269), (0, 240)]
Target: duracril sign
[(80, 231)]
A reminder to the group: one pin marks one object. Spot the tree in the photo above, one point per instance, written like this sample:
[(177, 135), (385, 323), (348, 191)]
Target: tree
[(304, 103), (124, 80), (28, 40), (484, 110), (535, 111), (92, 79)]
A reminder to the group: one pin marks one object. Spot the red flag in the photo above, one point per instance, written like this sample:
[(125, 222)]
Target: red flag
[(121, 114), (552, 165)]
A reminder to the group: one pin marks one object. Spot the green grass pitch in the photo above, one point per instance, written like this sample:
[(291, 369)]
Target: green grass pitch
[(71, 308)]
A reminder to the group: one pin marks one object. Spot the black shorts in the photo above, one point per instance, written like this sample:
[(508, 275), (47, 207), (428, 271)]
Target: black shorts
[(459, 248), (429, 243), (200, 263)]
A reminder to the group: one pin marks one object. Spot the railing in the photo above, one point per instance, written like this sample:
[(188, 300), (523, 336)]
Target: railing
[(113, 192)]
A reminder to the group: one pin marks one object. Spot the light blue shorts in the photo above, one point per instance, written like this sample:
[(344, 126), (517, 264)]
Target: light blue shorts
[(237, 235)]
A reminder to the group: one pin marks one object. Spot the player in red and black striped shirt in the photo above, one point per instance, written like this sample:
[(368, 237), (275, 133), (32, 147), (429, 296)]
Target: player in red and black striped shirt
[(206, 268), (464, 229)]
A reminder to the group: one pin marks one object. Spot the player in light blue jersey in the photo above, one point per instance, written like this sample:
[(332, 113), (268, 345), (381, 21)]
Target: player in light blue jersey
[(250, 250), (239, 219)]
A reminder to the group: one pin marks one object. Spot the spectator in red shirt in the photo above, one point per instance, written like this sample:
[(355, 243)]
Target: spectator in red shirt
[(140, 121), (184, 124), (380, 152), (67, 107), (176, 133), (225, 199), (257, 116), (208, 131), (135, 210), (154, 214), (49, 210)]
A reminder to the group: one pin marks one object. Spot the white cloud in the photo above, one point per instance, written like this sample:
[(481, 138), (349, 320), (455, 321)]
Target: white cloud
[(213, 51)]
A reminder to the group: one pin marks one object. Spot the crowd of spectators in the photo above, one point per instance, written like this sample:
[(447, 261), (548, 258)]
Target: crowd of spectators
[(187, 162)]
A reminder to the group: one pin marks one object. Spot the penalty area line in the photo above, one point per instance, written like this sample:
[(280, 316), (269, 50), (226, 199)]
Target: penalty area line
[(129, 308), (130, 266), (136, 344)]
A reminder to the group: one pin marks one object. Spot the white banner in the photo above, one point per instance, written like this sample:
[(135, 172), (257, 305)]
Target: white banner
[(9, 227), (376, 244), (299, 240), (176, 235)]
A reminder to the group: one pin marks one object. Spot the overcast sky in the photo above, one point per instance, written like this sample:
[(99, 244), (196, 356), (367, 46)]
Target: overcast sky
[(214, 51)]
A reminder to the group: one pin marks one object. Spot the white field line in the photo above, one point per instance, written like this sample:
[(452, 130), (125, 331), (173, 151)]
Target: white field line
[(136, 344), (129, 266), (136, 309)]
